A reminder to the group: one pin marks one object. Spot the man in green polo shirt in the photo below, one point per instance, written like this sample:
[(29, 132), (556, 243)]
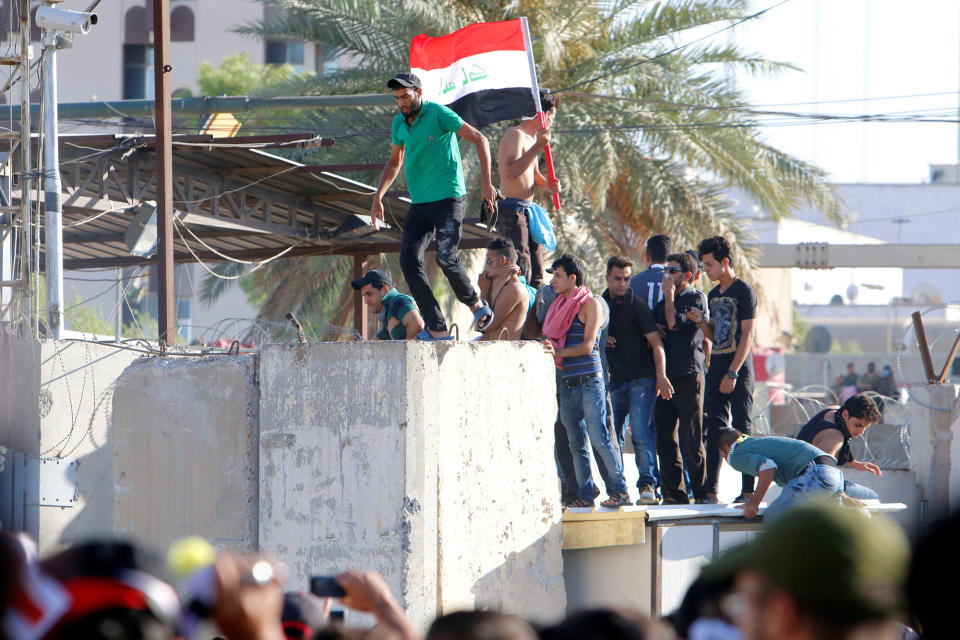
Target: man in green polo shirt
[(424, 142), (399, 319)]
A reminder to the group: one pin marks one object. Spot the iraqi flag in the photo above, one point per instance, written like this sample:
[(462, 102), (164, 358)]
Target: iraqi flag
[(482, 72)]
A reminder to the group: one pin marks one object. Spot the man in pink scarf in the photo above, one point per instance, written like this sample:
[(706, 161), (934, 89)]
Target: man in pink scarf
[(572, 327), (500, 285)]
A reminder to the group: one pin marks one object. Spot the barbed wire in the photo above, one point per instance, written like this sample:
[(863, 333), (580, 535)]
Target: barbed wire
[(905, 340)]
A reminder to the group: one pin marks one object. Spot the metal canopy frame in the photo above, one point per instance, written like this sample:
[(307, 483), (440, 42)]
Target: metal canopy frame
[(232, 199)]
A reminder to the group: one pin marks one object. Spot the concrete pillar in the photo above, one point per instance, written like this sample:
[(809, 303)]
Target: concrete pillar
[(932, 413)]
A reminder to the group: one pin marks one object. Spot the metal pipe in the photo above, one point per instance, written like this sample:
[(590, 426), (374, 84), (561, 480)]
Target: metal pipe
[(26, 202), (51, 188)]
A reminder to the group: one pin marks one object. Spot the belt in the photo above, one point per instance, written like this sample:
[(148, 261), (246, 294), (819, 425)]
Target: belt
[(576, 381), (825, 460)]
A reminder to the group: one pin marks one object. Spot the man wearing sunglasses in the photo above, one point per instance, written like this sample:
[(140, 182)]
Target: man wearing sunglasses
[(678, 420)]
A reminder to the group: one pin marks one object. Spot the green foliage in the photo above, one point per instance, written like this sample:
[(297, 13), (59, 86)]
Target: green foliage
[(238, 76), (800, 330), (852, 347), (89, 318)]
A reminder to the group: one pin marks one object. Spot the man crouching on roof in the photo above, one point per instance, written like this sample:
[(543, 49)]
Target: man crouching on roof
[(399, 318), (499, 283), (804, 471)]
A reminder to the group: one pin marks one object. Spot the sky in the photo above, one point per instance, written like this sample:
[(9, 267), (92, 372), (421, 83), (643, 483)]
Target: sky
[(860, 57)]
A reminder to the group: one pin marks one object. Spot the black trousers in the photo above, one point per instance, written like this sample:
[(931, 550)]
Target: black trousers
[(718, 411), (425, 220), (512, 223), (679, 426)]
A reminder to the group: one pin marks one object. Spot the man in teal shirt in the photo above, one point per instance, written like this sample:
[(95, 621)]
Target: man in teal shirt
[(399, 319), (802, 470), (424, 142)]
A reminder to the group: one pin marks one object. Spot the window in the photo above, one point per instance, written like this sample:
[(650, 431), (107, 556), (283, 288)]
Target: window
[(285, 52), (137, 55), (181, 24), (137, 71), (136, 28)]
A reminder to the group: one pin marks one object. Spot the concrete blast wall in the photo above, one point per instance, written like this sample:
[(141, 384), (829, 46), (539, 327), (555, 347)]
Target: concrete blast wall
[(431, 464), (186, 442)]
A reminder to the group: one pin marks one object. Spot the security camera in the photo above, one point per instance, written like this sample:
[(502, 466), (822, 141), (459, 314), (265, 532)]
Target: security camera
[(64, 20)]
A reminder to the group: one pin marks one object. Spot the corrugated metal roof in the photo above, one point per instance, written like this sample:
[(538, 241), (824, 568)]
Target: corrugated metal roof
[(231, 197)]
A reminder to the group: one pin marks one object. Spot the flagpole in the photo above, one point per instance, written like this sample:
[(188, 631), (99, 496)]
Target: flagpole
[(535, 87)]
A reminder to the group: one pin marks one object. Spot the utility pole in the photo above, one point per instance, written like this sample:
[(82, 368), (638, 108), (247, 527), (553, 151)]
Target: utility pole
[(58, 26), (52, 204), (166, 320)]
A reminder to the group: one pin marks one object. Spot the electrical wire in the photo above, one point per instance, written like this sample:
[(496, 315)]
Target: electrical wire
[(256, 266)]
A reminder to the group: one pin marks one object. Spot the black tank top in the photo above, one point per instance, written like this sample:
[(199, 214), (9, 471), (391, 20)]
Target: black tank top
[(818, 423)]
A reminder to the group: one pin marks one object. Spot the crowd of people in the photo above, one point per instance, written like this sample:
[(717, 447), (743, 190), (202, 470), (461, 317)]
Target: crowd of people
[(851, 383), (652, 351), (819, 572)]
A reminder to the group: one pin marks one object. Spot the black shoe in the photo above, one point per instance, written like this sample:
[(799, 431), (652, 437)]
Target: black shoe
[(742, 498), (706, 500), (676, 501)]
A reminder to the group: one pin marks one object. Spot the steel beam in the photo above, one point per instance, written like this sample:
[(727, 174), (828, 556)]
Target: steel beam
[(821, 255), (263, 254)]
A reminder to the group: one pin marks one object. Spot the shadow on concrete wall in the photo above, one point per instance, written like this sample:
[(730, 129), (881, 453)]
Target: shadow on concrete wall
[(506, 588)]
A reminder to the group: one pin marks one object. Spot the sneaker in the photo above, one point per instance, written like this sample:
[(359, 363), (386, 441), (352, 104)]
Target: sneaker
[(742, 498), (676, 501), (647, 495), (708, 499)]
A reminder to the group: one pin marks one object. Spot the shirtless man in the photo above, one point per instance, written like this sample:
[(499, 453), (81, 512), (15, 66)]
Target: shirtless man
[(831, 431), (500, 285), (519, 177)]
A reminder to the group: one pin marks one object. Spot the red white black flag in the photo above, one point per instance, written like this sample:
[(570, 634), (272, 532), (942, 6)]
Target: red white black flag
[(482, 72)]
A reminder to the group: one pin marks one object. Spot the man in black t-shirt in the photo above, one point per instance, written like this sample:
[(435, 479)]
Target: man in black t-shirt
[(679, 420), (637, 369), (729, 381)]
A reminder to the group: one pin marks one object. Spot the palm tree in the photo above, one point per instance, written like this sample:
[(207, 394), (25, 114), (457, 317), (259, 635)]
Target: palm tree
[(650, 133)]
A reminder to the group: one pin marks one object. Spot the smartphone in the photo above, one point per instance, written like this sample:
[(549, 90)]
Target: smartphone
[(326, 587)]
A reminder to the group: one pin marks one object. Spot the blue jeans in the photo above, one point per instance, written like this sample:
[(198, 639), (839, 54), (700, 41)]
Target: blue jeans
[(816, 481), (859, 492), (585, 406), (637, 398)]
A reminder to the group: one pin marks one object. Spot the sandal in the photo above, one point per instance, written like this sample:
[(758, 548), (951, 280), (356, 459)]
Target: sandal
[(616, 500), (483, 317), (426, 336), (580, 503)]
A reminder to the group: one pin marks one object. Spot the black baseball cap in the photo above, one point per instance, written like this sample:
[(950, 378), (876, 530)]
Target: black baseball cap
[(404, 81), (375, 277)]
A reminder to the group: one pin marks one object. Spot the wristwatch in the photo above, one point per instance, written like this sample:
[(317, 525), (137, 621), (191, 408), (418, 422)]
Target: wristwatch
[(732, 374)]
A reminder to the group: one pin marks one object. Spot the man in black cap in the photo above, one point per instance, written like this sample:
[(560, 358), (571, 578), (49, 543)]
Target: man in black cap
[(399, 319), (424, 142), (822, 572)]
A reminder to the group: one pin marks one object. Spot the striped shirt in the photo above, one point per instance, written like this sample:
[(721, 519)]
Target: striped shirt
[(580, 365)]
